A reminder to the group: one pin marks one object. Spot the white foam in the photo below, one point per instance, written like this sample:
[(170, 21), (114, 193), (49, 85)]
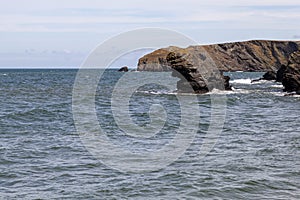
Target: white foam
[(241, 81), (216, 91), (293, 94), (277, 86), (279, 94), (233, 91), (157, 92), (261, 81)]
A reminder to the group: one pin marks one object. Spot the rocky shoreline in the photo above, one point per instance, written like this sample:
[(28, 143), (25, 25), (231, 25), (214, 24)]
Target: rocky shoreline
[(202, 67)]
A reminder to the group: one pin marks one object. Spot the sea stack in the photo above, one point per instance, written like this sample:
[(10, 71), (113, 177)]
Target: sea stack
[(198, 74), (291, 74)]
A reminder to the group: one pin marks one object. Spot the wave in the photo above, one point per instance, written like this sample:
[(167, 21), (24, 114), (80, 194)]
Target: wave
[(248, 81), (277, 86), (158, 92), (292, 94), (242, 81), (216, 91), (233, 91)]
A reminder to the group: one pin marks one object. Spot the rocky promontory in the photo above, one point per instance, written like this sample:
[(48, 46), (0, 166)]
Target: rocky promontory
[(200, 68), (255, 55)]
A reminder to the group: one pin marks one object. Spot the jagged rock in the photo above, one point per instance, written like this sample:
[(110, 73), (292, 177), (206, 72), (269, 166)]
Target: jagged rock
[(280, 72), (227, 85), (197, 73), (269, 76), (256, 55), (291, 75), (123, 69)]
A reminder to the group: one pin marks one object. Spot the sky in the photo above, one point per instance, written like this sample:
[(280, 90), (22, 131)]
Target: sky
[(62, 33)]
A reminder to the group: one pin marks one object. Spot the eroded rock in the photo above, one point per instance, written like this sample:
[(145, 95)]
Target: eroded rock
[(291, 74), (256, 55), (198, 74)]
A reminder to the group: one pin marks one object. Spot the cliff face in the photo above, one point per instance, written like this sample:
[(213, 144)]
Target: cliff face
[(256, 55), (291, 74)]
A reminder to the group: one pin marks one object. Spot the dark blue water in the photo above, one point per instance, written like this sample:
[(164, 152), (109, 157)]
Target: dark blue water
[(43, 157)]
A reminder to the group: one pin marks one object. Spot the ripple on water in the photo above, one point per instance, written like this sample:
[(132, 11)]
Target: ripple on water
[(42, 157)]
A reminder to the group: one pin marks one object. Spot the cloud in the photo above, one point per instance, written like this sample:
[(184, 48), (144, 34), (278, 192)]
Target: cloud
[(72, 25), (87, 19)]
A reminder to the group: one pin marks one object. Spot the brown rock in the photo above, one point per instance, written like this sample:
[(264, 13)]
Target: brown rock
[(155, 61), (256, 55), (198, 74)]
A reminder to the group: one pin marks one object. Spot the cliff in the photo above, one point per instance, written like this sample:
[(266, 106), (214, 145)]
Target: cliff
[(291, 74), (255, 55)]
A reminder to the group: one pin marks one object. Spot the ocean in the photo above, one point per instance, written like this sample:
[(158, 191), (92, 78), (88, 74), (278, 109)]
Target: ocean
[(44, 156)]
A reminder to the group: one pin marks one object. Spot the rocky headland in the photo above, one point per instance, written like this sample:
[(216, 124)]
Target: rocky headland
[(280, 59)]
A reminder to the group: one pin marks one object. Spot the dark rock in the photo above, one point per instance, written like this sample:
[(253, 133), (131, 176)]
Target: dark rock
[(269, 76), (291, 75), (280, 72), (123, 69), (226, 83)]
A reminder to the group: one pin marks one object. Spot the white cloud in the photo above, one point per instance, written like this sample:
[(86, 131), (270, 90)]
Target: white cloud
[(64, 24), (65, 21)]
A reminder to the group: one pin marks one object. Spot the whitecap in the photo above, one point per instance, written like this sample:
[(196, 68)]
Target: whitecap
[(233, 91), (293, 94), (242, 81), (261, 81), (277, 86)]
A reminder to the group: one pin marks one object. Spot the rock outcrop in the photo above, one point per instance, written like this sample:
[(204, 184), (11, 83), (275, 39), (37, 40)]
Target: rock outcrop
[(291, 74), (256, 55), (279, 74), (198, 74), (123, 69), (270, 75), (157, 60)]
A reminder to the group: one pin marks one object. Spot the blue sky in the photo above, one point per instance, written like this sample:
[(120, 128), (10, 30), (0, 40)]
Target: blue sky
[(61, 33)]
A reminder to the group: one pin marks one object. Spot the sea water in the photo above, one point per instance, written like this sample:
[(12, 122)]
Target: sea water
[(42, 156)]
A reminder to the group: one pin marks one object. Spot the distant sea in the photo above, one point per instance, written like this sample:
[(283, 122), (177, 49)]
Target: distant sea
[(257, 155)]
